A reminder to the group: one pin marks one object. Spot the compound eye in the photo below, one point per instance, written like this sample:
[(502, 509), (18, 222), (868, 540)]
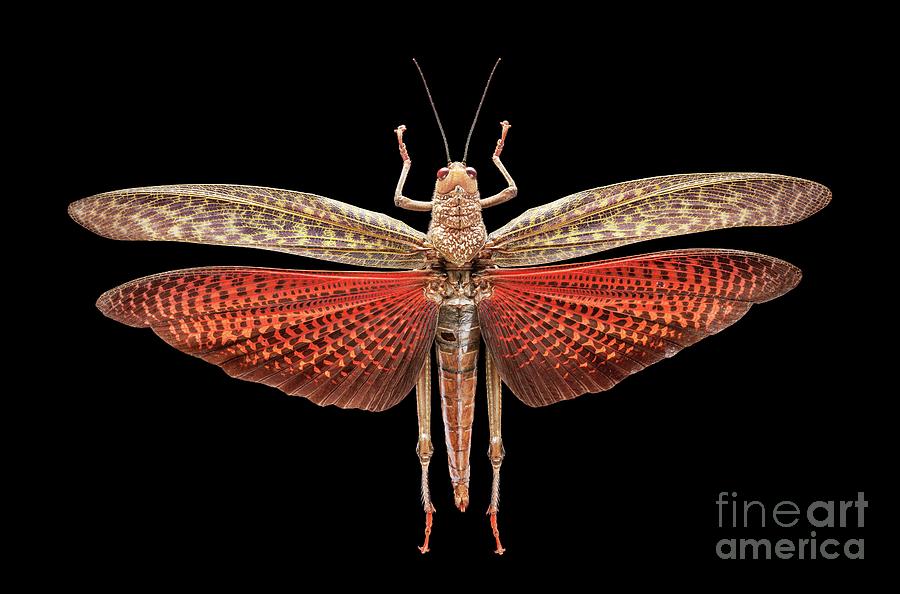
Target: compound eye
[(470, 171), (443, 172)]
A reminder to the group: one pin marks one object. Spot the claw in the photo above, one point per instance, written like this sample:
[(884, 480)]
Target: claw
[(424, 548), (500, 550)]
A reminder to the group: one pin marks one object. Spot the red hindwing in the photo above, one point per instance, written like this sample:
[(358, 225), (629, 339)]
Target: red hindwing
[(352, 339), (561, 331)]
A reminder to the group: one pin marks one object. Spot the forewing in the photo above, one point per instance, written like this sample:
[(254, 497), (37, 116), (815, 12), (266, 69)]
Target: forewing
[(249, 216), (561, 331), (352, 339), (595, 220)]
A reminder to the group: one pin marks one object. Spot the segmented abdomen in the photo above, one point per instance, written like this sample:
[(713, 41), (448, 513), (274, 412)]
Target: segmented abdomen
[(457, 342)]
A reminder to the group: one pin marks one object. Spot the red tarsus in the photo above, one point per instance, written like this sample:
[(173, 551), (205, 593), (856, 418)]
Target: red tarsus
[(500, 550), (399, 132), (424, 548), (502, 141)]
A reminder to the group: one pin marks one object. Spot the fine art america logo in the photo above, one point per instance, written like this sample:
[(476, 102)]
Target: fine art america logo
[(817, 523)]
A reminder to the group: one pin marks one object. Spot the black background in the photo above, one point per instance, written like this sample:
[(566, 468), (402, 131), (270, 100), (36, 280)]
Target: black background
[(166, 463)]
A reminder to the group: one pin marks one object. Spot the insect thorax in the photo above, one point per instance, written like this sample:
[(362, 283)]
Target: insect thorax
[(457, 231), (458, 287)]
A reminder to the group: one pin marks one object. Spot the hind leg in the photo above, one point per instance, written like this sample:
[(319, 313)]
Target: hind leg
[(424, 448), (495, 450)]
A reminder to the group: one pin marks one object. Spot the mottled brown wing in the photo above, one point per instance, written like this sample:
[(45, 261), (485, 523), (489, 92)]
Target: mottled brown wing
[(561, 331), (595, 220), (352, 339), (249, 216)]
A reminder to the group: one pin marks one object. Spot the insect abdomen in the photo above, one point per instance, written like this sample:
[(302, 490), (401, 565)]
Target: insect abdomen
[(457, 343)]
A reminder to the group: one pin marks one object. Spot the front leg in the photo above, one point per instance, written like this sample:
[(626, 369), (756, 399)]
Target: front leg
[(510, 192), (399, 199)]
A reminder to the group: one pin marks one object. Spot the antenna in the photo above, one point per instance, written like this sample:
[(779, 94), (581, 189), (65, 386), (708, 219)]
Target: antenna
[(436, 116), (478, 111)]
